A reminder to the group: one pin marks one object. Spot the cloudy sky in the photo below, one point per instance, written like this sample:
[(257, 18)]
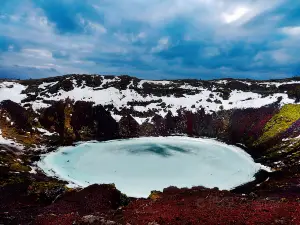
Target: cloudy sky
[(154, 39)]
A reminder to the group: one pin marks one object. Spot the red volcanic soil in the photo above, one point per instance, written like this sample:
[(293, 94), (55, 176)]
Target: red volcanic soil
[(204, 206), (100, 204)]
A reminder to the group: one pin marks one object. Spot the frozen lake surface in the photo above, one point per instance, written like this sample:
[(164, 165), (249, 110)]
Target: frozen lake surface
[(138, 166)]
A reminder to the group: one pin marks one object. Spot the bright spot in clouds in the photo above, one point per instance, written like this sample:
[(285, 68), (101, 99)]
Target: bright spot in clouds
[(237, 14), (292, 30)]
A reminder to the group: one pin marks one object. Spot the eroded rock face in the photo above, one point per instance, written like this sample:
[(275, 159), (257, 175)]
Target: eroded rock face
[(107, 127), (57, 118), (15, 115), (82, 121), (247, 125), (79, 121), (129, 128)]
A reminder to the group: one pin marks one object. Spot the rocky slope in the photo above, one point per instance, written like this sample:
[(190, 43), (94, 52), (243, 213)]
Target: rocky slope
[(263, 117)]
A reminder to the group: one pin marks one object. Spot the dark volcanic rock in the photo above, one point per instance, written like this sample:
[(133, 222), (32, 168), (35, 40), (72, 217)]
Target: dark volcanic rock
[(19, 115), (82, 121), (93, 199), (147, 129), (247, 125), (58, 118), (128, 127), (160, 125), (79, 121), (107, 127)]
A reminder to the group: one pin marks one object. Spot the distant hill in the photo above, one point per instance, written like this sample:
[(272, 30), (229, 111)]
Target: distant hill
[(20, 72)]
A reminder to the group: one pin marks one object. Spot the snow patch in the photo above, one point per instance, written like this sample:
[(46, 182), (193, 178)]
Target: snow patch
[(45, 132), (45, 85), (12, 91), (140, 120)]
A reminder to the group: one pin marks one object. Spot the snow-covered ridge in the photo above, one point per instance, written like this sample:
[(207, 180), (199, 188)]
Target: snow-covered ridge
[(277, 84), (148, 97)]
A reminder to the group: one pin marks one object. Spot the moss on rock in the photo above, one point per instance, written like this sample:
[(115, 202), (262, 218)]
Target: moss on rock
[(47, 191), (124, 200), (18, 167), (155, 195), (12, 179), (280, 122), (6, 159), (42, 186)]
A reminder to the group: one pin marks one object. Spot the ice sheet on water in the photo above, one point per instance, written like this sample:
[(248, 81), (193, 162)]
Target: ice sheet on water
[(138, 166)]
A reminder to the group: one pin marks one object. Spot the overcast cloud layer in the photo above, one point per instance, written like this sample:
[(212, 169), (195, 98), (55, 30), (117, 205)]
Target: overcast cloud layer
[(154, 39)]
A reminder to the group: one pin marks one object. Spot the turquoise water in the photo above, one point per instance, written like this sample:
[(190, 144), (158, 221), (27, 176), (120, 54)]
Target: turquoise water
[(138, 166)]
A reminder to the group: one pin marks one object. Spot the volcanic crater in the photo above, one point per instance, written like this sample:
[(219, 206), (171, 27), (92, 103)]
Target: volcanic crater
[(62, 115)]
